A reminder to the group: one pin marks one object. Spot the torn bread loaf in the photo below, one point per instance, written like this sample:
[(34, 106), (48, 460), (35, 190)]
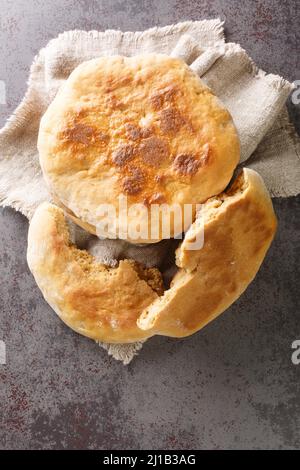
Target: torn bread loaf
[(239, 226), (127, 303)]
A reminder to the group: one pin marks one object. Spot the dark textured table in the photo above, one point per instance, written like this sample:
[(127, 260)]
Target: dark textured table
[(233, 385)]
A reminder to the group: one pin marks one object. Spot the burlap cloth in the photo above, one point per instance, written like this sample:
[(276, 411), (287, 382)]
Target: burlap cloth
[(256, 101)]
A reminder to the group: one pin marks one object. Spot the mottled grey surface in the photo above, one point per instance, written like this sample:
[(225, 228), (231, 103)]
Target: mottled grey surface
[(232, 385)]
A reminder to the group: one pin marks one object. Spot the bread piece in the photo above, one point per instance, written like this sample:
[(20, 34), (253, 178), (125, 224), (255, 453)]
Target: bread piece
[(145, 127), (127, 303), (239, 226), (96, 301)]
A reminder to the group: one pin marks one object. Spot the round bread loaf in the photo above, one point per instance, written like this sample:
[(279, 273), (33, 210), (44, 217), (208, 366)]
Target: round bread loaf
[(144, 127), (127, 303)]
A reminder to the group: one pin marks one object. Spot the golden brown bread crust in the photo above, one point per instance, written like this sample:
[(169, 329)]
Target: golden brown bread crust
[(239, 226), (145, 127), (105, 303), (94, 300)]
